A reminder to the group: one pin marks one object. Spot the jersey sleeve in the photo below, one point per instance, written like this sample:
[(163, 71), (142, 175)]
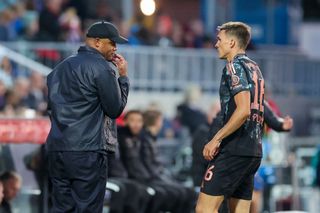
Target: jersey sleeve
[(237, 78)]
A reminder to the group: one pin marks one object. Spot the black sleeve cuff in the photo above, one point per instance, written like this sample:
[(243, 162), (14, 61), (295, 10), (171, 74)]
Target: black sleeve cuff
[(123, 80)]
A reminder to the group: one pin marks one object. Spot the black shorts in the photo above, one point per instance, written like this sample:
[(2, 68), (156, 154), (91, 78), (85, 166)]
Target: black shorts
[(230, 176)]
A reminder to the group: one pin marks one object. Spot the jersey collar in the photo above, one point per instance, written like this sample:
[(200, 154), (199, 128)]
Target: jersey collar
[(240, 55)]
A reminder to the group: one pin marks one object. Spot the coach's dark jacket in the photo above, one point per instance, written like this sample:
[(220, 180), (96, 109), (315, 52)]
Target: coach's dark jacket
[(83, 90)]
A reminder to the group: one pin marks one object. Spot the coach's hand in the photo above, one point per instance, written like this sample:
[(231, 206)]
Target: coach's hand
[(211, 149), (121, 64)]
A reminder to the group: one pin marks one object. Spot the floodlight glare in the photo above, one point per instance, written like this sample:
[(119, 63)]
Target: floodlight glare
[(147, 7)]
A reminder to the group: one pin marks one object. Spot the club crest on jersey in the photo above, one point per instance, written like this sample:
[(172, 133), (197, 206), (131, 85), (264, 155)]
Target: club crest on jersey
[(235, 80)]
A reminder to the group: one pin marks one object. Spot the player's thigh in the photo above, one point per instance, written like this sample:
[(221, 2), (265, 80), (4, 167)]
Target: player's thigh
[(219, 179), (244, 189), (239, 205), (208, 203)]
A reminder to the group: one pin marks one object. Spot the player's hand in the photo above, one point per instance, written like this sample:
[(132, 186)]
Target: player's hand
[(211, 149), (121, 64), (287, 123)]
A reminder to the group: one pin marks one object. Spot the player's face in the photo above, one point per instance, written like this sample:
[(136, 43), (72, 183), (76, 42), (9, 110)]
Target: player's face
[(107, 47), (135, 123), (223, 44)]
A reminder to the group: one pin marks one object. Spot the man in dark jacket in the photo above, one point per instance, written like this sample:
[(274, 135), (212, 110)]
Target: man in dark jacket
[(152, 125), (166, 198), (122, 199), (82, 91)]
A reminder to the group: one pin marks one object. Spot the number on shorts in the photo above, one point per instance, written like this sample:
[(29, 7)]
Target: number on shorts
[(209, 173)]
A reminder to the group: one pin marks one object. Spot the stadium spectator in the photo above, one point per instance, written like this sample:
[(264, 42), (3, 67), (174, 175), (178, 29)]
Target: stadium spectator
[(49, 25), (167, 131), (139, 33), (16, 99), (198, 33), (153, 122), (6, 72), (71, 26), (22, 89), (17, 24), (11, 186), (122, 200), (6, 32), (166, 198), (189, 37), (12, 104), (32, 26), (164, 31), (36, 98), (79, 5), (188, 113), (177, 34)]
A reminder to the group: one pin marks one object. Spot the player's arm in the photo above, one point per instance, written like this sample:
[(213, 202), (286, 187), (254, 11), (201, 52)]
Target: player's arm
[(239, 116), (275, 122), (113, 92)]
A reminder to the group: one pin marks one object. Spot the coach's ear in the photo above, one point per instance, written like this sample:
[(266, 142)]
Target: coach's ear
[(97, 42)]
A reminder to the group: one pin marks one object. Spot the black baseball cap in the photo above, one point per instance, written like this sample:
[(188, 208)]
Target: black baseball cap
[(104, 29)]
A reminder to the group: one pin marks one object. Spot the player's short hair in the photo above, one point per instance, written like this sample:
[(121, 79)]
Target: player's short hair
[(131, 112), (8, 175), (238, 29), (150, 117)]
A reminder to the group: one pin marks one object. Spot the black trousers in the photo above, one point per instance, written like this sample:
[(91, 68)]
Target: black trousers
[(133, 197), (78, 181), (179, 199)]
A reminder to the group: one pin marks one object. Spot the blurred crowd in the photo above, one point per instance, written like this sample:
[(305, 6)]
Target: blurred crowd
[(66, 20), (22, 94)]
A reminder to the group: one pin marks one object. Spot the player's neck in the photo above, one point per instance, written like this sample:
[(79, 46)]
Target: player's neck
[(234, 53)]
